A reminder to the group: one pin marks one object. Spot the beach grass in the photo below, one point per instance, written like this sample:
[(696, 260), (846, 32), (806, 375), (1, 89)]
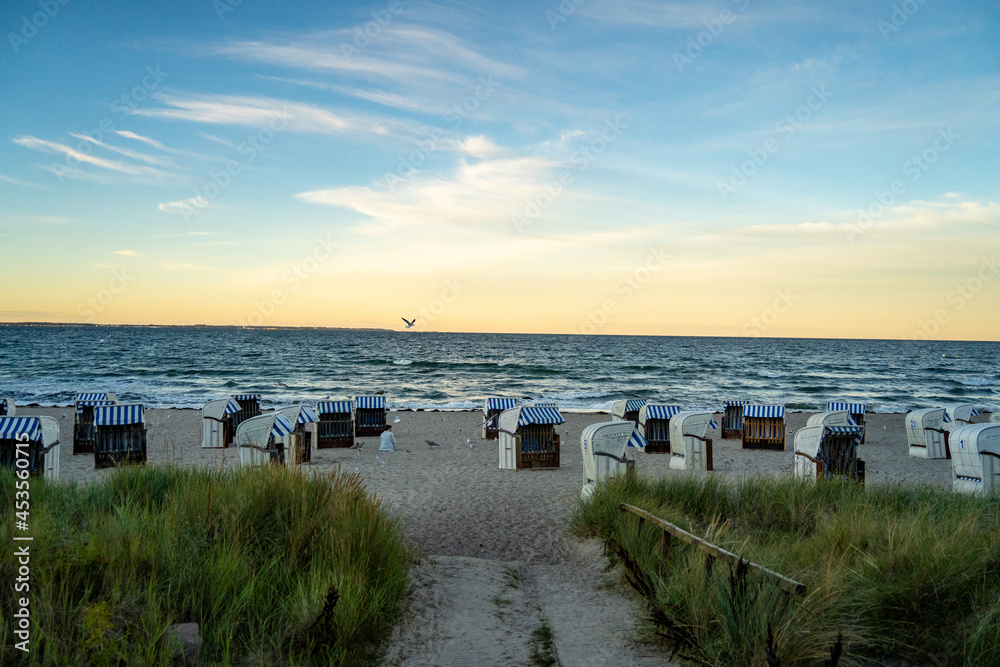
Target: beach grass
[(275, 567), (893, 572)]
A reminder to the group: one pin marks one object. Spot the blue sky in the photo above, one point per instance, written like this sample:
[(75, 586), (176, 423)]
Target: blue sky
[(729, 168)]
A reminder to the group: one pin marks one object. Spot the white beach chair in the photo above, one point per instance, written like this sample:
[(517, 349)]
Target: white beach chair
[(603, 446), (119, 435), (298, 444), (959, 414), (995, 417), (528, 438), (627, 410), (832, 418), (975, 458), (217, 422), (261, 439), (492, 408), (654, 422), (825, 452), (926, 435), (689, 448), (7, 408), (857, 411), (38, 438)]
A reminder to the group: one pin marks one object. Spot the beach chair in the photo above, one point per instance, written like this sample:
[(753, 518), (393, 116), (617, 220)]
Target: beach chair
[(298, 444), (119, 435), (995, 417), (764, 427), (732, 419), (627, 410), (83, 419), (249, 407), (262, 439), (30, 443), (528, 438), (959, 414), (976, 458), (336, 424), (7, 408), (217, 428), (654, 422), (603, 446), (925, 433), (832, 418), (369, 416), (857, 411), (690, 449), (828, 452), (491, 415)]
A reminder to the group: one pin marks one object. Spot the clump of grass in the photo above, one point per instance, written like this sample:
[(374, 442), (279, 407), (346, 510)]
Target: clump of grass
[(543, 648), (902, 572), (276, 568)]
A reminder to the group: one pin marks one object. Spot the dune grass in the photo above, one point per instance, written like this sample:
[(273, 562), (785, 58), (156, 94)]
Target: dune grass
[(893, 572), (252, 556)]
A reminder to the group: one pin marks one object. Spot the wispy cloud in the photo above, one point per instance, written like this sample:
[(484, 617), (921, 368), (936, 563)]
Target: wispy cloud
[(17, 181), (135, 155), (128, 253), (42, 145), (184, 206)]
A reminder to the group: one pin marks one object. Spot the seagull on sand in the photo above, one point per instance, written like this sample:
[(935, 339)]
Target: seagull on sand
[(409, 323)]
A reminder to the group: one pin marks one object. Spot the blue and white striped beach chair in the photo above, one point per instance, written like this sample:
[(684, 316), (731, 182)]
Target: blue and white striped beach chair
[(119, 435), (764, 427), (336, 424)]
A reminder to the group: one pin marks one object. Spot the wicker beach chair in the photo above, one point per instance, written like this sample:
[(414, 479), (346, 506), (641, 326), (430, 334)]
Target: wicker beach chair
[(217, 428), (369, 416), (528, 438), (7, 408), (249, 407), (261, 439), (654, 422), (336, 424), (298, 446), (690, 449), (627, 410), (83, 419), (603, 447), (764, 427), (30, 443), (492, 408), (975, 458), (856, 410), (732, 419), (926, 434), (119, 435), (828, 452)]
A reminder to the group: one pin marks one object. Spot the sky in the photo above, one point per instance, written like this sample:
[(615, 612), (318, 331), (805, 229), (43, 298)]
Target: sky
[(731, 168)]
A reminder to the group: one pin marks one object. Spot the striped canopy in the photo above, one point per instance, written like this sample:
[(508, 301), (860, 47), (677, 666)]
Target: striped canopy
[(661, 411), (247, 397), (333, 407), (12, 427), (857, 431), (281, 426), (636, 440), (501, 403), (735, 404), (369, 402), (764, 411), (232, 407), (853, 408), (544, 404), (634, 404), (302, 414), (118, 415), (92, 396), (534, 414), (713, 424)]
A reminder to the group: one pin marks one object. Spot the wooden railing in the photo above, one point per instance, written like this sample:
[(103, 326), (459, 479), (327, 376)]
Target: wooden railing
[(670, 531)]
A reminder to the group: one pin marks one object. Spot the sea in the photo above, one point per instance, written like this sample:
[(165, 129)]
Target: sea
[(167, 366)]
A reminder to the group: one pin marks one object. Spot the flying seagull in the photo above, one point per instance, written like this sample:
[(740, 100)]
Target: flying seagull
[(409, 323), (279, 383)]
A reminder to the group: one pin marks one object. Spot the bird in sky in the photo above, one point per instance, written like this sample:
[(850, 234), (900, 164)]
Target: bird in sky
[(409, 323)]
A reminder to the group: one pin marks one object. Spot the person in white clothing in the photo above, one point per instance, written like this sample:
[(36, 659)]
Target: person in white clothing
[(387, 443)]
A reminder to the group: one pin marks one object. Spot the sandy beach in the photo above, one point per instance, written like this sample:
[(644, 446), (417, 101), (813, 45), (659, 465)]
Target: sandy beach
[(469, 522)]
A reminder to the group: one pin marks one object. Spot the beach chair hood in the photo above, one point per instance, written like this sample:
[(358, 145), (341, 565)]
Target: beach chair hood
[(219, 408), (523, 415), (656, 411)]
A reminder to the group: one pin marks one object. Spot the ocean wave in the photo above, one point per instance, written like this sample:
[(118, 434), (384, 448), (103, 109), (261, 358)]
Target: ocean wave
[(402, 362)]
